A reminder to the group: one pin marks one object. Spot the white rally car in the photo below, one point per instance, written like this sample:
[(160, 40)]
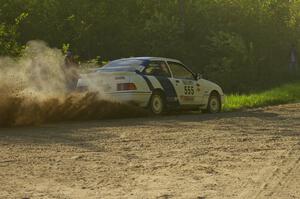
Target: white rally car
[(157, 83)]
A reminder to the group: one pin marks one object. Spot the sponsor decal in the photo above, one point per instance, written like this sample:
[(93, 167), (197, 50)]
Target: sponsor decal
[(188, 82), (187, 98)]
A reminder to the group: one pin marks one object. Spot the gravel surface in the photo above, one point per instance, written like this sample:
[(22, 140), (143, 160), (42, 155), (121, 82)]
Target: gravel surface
[(249, 154)]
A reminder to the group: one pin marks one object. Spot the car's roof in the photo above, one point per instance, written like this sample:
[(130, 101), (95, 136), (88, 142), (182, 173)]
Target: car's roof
[(152, 58), (139, 67)]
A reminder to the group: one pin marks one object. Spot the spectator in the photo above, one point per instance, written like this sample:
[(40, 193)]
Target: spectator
[(293, 67), (70, 70)]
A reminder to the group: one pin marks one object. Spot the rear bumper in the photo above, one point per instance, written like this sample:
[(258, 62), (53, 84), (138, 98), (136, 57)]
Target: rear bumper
[(137, 98)]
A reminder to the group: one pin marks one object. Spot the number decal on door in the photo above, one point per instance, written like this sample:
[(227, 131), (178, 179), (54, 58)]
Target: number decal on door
[(189, 90)]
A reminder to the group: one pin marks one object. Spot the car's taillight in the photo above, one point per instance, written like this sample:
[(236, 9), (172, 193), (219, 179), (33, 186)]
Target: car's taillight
[(126, 87)]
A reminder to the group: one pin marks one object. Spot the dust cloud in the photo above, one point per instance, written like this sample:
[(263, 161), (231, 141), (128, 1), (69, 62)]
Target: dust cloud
[(33, 90)]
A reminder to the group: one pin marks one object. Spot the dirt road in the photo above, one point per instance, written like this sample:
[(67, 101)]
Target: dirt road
[(251, 154)]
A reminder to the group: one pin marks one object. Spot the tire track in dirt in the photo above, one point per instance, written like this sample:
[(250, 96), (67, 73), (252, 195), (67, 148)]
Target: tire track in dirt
[(280, 172), (274, 177), (283, 175), (250, 154)]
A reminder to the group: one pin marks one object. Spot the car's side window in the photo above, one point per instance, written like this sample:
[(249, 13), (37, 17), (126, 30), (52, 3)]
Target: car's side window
[(179, 71), (157, 68)]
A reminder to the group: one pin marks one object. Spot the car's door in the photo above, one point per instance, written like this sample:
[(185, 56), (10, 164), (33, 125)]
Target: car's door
[(159, 76), (185, 84)]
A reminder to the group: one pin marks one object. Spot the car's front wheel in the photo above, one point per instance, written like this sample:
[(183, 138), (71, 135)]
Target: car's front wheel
[(214, 103), (157, 104)]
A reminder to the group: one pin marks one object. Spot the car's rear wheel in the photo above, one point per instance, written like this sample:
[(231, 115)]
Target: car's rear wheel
[(157, 104), (214, 103)]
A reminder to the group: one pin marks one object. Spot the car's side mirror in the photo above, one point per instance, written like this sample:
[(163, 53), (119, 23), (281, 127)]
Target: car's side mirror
[(199, 76)]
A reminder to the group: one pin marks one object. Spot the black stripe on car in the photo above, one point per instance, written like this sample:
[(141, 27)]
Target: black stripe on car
[(170, 92), (150, 85)]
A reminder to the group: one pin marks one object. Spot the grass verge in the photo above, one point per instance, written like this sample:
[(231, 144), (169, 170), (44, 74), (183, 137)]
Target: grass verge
[(288, 93)]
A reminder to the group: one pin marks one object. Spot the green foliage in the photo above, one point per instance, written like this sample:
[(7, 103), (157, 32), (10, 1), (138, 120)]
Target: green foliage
[(8, 43), (229, 58), (280, 95), (65, 48), (9, 35), (242, 45)]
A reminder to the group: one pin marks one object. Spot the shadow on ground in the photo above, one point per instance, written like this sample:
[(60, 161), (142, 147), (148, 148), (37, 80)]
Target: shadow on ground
[(68, 132)]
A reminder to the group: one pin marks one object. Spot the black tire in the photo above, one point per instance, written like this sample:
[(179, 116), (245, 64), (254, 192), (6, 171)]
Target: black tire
[(214, 104), (157, 104)]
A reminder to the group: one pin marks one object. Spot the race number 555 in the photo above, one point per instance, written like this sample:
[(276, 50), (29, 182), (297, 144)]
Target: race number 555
[(189, 90)]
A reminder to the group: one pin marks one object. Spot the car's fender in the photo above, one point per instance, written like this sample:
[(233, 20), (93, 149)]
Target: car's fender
[(210, 87)]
